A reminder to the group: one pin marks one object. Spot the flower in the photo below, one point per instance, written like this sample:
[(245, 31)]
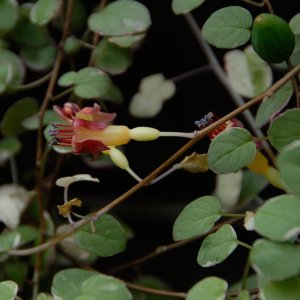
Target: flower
[(87, 130)]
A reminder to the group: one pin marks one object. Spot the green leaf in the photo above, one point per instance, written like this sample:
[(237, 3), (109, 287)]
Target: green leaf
[(272, 105), (12, 121), (217, 246), (8, 15), (71, 45), (43, 296), (120, 18), (67, 283), (114, 94), (11, 145), (197, 218), (89, 82), (231, 150), (108, 239), (39, 58), (9, 240), (67, 79), (127, 41), (228, 27), (16, 66), (288, 289), (112, 58), (25, 32), (8, 290), (209, 288), (285, 129), (15, 271), (288, 163), (257, 74), (154, 90), (6, 74), (44, 11), (295, 23), (275, 261), (184, 6), (243, 295), (151, 282), (108, 287), (278, 219)]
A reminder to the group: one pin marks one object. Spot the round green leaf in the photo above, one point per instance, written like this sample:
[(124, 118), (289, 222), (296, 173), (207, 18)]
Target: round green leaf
[(275, 261), (228, 27), (25, 32), (210, 288), (112, 58), (288, 289), (6, 74), (71, 45), (257, 74), (272, 105), (91, 83), (43, 296), (67, 283), (121, 17), (197, 218), (184, 6), (16, 66), (113, 94), (43, 11), (108, 287), (127, 41), (39, 58), (108, 239), (217, 246), (8, 15), (67, 79), (295, 23), (243, 295), (10, 144), (231, 150), (285, 129), (8, 290), (12, 121), (289, 166), (9, 240), (278, 219)]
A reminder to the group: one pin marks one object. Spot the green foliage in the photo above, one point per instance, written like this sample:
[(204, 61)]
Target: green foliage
[(231, 150), (210, 288), (10, 144), (8, 290), (228, 27), (181, 7), (278, 218), (197, 218), (217, 246), (8, 15), (108, 239)]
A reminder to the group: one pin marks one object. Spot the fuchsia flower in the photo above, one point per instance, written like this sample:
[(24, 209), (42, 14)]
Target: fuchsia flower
[(88, 130)]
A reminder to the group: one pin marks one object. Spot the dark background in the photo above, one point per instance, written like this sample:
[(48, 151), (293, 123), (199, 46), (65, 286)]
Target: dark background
[(169, 48)]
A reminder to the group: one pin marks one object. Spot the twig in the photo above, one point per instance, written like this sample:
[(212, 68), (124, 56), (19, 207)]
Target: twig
[(166, 248), (257, 4), (268, 4), (152, 291), (31, 85), (220, 74), (13, 169), (39, 150), (62, 94), (201, 134), (191, 73)]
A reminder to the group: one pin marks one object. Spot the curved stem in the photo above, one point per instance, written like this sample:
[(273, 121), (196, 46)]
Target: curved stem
[(244, 245), (245, 274), (31, 85), (62, 94), (191, 73), (257, 4), (200, 135)]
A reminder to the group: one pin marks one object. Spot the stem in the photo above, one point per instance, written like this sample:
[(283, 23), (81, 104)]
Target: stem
[(267, 3), (31, 85), (166, 248), (295, 83), (62, 94), (153, 291), (245, 245), (245, 274), (13, 169), (87, 45), (221, 75), (257, 4), (200, 135), (40, 150), (166, 173), (191, 73)]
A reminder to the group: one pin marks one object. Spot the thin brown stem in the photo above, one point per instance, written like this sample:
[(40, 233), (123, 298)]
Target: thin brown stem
[(268, 4), (166, 248), (295, 83), (254, 3), (40, 148), (201, 134), (152, 291)]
